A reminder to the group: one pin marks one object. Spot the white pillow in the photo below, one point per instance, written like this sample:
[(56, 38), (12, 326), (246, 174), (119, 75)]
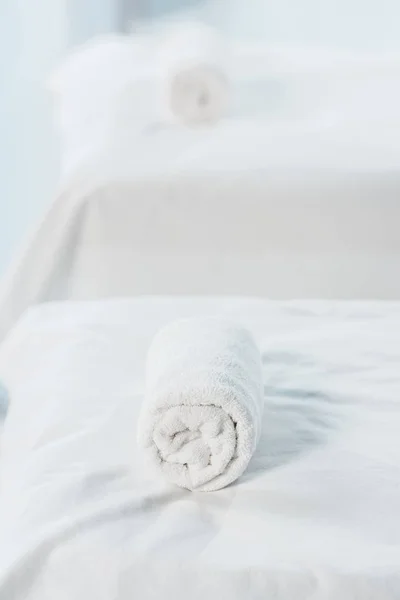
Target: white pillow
[(102, 92)]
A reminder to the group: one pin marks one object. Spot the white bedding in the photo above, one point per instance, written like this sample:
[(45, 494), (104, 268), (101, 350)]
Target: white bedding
[(315, 516), (197, 224), (297, 198)]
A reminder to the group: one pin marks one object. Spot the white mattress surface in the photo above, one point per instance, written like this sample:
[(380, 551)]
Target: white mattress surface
[(315, 515)]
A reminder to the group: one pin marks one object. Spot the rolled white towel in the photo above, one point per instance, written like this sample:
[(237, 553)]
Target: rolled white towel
[(201, 418), (193, 75)]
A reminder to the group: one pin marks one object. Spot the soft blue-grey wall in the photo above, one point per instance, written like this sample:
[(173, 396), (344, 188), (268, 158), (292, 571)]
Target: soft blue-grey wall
[(156, 8), (358, 24), (92, 17), (33, 36)]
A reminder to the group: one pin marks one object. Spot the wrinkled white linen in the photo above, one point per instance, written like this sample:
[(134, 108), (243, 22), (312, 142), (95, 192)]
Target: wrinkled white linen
[(316, 514)]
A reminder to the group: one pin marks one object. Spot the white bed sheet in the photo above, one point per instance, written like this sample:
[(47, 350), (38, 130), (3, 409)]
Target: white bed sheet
[(315, 516), (193, 222)]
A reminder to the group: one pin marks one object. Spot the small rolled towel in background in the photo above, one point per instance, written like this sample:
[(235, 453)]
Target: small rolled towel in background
[(201, 418), (193, 75)]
